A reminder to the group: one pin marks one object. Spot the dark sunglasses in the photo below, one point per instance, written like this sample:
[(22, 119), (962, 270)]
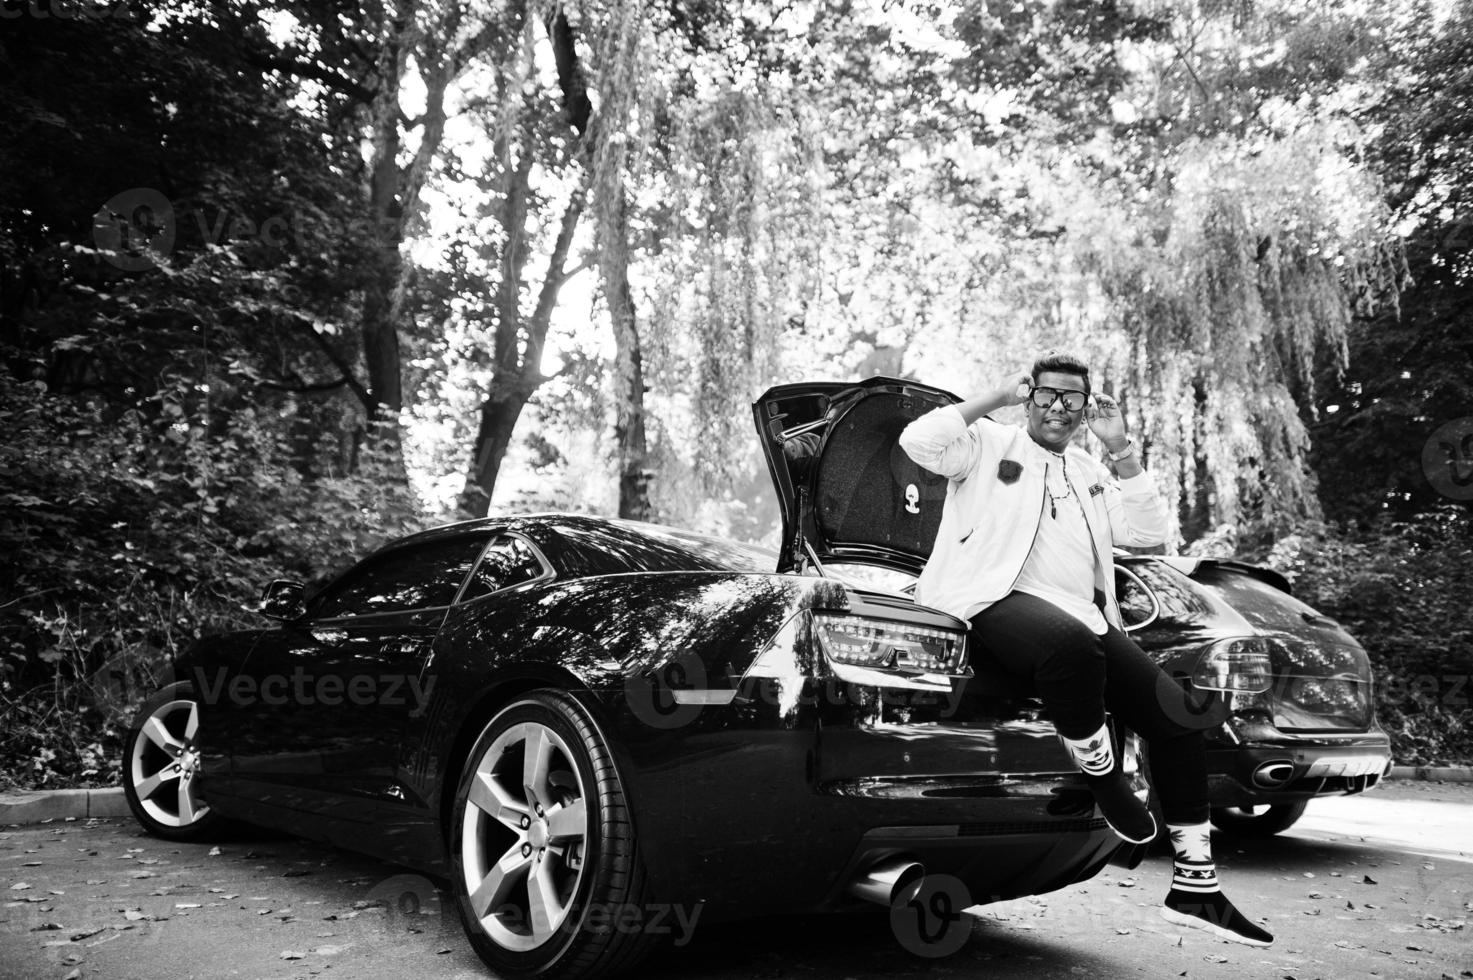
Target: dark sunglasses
[(1045, 397)]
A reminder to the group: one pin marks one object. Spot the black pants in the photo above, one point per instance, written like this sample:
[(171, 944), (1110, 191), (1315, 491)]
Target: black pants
[(1078, 675)]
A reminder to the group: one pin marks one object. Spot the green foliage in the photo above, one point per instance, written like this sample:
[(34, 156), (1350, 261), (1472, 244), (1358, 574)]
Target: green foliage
[(1401, 588), (1410, 369), (1204, 198), (132, 534)]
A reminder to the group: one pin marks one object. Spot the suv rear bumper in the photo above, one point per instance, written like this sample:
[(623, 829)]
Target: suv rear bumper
[(1296, 768)]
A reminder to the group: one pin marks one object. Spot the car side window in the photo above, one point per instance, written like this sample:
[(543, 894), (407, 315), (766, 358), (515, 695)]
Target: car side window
[(506, 562), (1181, 599), (1134, 601), (420, 577)]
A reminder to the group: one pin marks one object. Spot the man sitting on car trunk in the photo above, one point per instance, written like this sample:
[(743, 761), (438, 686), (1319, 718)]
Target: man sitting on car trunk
[(1024, 554)]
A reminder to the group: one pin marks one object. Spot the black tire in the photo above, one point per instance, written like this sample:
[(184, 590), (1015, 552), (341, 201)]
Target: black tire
[(1257, 821), (592, 920), (161, 768)]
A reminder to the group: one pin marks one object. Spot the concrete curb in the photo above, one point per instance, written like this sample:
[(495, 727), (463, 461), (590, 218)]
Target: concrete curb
[(1450, 774), (39, 806)]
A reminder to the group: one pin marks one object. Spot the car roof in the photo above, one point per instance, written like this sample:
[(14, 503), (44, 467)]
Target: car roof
[(552, 531)]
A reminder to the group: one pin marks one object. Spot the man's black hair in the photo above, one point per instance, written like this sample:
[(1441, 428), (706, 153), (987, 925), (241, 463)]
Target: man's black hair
[(1062, 361)]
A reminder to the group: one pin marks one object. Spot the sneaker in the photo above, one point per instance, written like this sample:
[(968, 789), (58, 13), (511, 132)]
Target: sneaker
[(1212, 912), (1123, 811)]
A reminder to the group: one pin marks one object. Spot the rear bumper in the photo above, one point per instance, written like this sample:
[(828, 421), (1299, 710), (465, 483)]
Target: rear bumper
[(784, 843), (776, 805), (1282, 768), (999, 841), (993, 863)]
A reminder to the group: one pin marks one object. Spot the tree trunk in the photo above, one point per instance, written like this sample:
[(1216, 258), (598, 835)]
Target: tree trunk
[(499, 415), (384, 211), (518, 344), (516, 375), (629, 436), (393, 195), (1199, 517)]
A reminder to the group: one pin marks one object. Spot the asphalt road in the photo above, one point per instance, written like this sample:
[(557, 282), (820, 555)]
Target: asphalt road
[(1375, 886)]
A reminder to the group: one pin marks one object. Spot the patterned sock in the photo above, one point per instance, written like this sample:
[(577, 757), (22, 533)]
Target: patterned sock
[(1195, 900), (1125, 814), (1193, 870)]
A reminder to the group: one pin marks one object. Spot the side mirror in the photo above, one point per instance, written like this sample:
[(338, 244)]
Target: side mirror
[(284, 600)]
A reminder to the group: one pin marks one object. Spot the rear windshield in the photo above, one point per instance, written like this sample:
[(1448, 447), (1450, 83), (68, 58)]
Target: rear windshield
[(649, 548), (1255, 600)]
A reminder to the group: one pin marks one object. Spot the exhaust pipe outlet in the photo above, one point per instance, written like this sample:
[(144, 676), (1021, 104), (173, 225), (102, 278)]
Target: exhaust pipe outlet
[(1272, 775), (890, 882)]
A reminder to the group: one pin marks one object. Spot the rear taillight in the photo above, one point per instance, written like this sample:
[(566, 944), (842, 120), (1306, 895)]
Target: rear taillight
[(884, 645), (1237, 665)]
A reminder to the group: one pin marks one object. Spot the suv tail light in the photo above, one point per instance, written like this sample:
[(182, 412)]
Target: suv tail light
[(1236, 665), (885, 645)]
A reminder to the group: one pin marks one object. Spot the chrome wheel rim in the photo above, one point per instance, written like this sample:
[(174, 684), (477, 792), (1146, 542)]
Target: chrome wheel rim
[(524, 836), (164, 765)]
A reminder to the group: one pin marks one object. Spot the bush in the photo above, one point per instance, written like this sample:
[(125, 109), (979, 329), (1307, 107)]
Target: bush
[(130, 533), (1402, 589)]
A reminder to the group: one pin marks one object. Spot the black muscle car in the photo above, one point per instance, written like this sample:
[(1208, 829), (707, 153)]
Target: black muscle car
[(583, 723)]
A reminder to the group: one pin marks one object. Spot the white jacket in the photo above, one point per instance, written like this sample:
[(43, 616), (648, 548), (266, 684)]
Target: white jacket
[(995, 496)]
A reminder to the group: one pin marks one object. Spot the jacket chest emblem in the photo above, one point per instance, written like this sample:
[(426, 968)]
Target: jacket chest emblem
[(1009, 470)]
